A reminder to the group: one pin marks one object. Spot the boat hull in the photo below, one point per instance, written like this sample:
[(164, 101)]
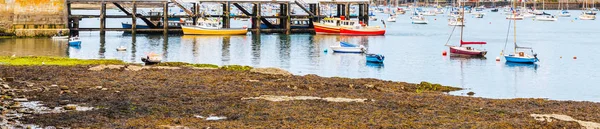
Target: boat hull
[(60, 37), (75, 43), (340, 49), (514, 59), (326, 29), (375, 58), (463, 51), (128, 26), (344, 31), (201, 31)]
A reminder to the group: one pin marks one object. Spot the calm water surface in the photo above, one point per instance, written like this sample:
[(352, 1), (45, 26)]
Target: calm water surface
[(413, 54)]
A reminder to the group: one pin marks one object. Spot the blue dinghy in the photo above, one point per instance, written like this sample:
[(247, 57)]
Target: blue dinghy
[(375, 58)]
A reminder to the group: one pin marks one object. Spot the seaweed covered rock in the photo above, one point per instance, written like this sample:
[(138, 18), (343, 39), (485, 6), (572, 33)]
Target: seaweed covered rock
[(272, 71)]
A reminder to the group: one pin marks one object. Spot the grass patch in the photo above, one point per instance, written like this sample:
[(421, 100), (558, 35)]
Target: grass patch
[(426, 86), (236, 68), (38, 60)]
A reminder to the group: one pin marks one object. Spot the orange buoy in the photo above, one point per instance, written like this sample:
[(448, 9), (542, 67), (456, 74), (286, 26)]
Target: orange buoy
[(444, 53), (497, 58), (574, 57)]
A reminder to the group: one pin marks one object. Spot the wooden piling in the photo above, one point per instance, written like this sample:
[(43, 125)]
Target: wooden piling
[(166, 17), (133, 18), (256, 18), (226, 16), (196, 12), (102, 18), (287, 21)]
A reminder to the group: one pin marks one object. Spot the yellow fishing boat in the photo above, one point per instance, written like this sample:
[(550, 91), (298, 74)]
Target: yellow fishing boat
[(209, 27)]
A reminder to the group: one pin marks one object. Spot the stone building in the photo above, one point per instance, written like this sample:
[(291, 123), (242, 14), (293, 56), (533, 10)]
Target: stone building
[(33, 17)]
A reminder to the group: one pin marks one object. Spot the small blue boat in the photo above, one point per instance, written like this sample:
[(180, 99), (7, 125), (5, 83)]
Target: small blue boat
[(128, 26), (74, 42), (375, 58), (521, 59)]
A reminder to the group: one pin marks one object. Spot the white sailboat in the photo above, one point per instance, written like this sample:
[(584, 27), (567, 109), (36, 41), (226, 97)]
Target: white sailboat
[(418, 18), (544, 16), (391, 18), (563, 12), (585, 14)]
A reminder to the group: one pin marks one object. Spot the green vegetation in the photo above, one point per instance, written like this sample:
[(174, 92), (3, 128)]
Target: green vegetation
[(426, 86), (63, 61), (236, 68)]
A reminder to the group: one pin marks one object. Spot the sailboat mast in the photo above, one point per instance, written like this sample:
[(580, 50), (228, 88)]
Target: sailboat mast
[(515, 25), (462, 20)]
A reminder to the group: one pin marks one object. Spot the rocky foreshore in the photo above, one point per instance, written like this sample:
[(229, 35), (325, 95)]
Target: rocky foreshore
[(132, 96)]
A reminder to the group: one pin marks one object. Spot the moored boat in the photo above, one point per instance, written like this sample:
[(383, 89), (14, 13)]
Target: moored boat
[(392, 18), (456, 21), (519, 56), (362, 31), (375, 58), (74, 41), (121, 48), (462, 49), (345, 47), (586, 17), (129, 26), (60, 37), (564, 13), (514, 17), (418, 19), (151, 58), (546, 18), (209, 27)]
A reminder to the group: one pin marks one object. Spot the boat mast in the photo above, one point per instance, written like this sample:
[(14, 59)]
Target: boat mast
[(567, 4), (462, 20), (515, 24)]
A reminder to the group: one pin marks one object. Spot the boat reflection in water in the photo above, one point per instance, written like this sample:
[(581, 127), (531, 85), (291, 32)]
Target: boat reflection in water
[(522, 65), (374, 65)]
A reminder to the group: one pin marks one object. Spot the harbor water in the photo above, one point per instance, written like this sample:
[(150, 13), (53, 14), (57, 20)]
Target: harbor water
[(413, 53)]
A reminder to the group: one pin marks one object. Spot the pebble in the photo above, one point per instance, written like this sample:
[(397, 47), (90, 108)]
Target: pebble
[(64, 88), (471, 93), (5, 86), (70, 107), (53, 85), (20, 99), (99, 87), (104, 89), (253, 80)]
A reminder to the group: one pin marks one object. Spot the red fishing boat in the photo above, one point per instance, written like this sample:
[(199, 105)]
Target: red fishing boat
[(333, 25)]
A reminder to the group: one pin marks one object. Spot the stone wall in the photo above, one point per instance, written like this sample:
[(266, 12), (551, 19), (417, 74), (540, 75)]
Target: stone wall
[(6, 14), (33, 17)]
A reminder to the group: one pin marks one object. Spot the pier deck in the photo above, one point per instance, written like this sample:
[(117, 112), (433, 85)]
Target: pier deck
[(311, 9)]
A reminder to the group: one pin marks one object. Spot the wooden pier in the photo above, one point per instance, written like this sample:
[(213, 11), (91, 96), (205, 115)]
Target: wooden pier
[(158, 21)]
